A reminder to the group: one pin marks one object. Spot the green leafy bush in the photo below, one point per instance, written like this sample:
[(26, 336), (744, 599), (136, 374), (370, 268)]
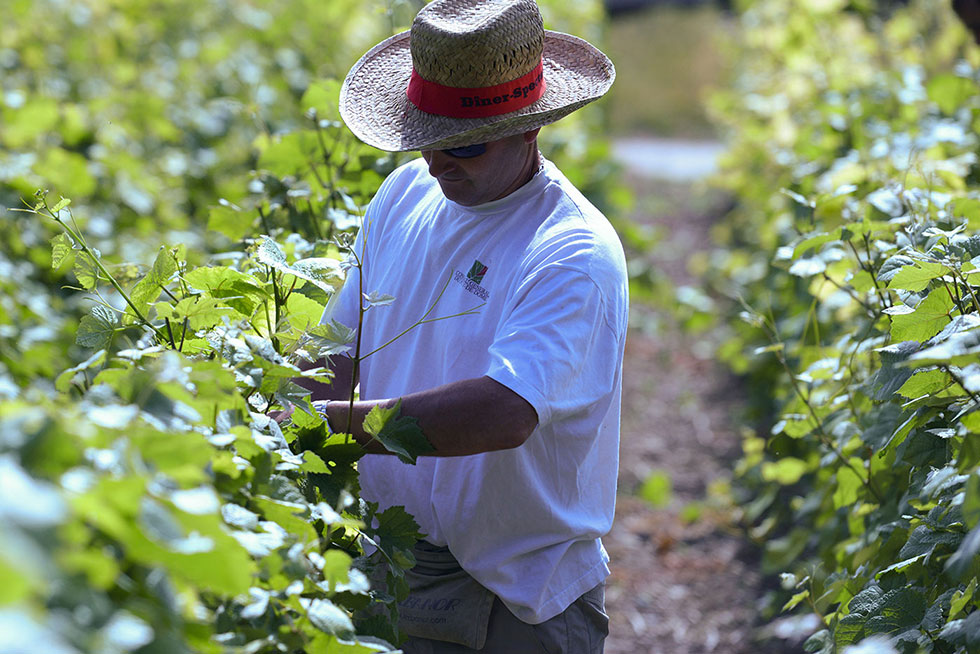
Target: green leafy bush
[(197, 198), (852, 252), (155, 504)]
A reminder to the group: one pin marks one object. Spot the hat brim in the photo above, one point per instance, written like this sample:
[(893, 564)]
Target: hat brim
[(374, 104)]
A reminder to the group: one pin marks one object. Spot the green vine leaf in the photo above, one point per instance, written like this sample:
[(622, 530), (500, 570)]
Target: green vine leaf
[(329, 618), (96, 329), (399, 434), (86, 270), (965, 560), (965, 632), (950, 91), (62, 251), (271, 254), (917, 276), (397, 532), (149, 288), (958, 349), (928, 319), (891, 375), (925, 540), (59, 205), (378, 299), (971, 500), (324, 272), (961, 599), (925, 383), (848, 485)]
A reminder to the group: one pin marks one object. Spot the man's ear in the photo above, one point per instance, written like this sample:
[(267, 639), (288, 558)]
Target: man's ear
[(530, 137)]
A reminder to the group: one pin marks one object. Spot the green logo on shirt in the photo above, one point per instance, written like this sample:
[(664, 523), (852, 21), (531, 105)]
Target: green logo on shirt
[(476, 273)]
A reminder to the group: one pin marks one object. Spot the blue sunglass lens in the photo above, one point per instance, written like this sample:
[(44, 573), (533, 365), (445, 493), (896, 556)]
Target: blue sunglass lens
[(467, 151)]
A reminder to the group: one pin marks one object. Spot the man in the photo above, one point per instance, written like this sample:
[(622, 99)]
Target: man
[(505, 339)]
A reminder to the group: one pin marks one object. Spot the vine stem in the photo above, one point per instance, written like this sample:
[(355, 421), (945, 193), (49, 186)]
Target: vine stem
[(959, 381), (170, 333), (265, 222), (183, 334), (362, 310), (78, 238), (851, 292), (425, 319), (314, 221), (356, 367), (954, 297), (325, 151), (969, 289), (824, 438), (278, 299), (813, 604), (268, 320), (882, 297), (181, 269)]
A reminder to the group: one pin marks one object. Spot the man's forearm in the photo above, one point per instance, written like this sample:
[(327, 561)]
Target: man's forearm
[(465, 417)]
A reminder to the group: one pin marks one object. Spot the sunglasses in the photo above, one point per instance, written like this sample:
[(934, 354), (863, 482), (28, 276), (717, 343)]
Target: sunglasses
[(467, 151)]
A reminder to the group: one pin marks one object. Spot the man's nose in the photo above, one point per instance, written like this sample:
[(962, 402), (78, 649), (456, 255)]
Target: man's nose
[(439, 162)]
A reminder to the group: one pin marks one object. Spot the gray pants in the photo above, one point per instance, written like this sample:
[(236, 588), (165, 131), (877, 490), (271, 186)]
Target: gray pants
[(580, 629)]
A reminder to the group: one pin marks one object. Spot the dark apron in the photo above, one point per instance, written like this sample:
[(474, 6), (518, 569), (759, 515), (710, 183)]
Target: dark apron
[(445, 603)]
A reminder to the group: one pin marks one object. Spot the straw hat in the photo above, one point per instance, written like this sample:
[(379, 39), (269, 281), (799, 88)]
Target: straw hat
[(470, 71)]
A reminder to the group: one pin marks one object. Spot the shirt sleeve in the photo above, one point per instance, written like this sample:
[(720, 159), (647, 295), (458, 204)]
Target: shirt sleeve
[(560, 344)]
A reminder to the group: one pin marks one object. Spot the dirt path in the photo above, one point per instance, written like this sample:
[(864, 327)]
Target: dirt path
[(678, 587)]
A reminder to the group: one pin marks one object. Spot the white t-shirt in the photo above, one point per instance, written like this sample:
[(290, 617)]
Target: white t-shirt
[(547, 271)]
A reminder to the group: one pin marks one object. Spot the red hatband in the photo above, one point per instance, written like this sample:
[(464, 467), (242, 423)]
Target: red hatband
[(481, 102)]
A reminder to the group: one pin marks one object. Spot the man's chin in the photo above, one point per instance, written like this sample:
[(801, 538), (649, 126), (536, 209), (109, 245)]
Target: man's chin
[(457, 191)]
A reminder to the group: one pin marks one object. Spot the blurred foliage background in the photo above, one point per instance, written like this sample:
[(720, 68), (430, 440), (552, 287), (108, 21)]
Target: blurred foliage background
[(669, 58), (851, 135), (840, 287)]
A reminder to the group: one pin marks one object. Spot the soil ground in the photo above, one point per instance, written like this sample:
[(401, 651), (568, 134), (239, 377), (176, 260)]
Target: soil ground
[(679, 586)]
